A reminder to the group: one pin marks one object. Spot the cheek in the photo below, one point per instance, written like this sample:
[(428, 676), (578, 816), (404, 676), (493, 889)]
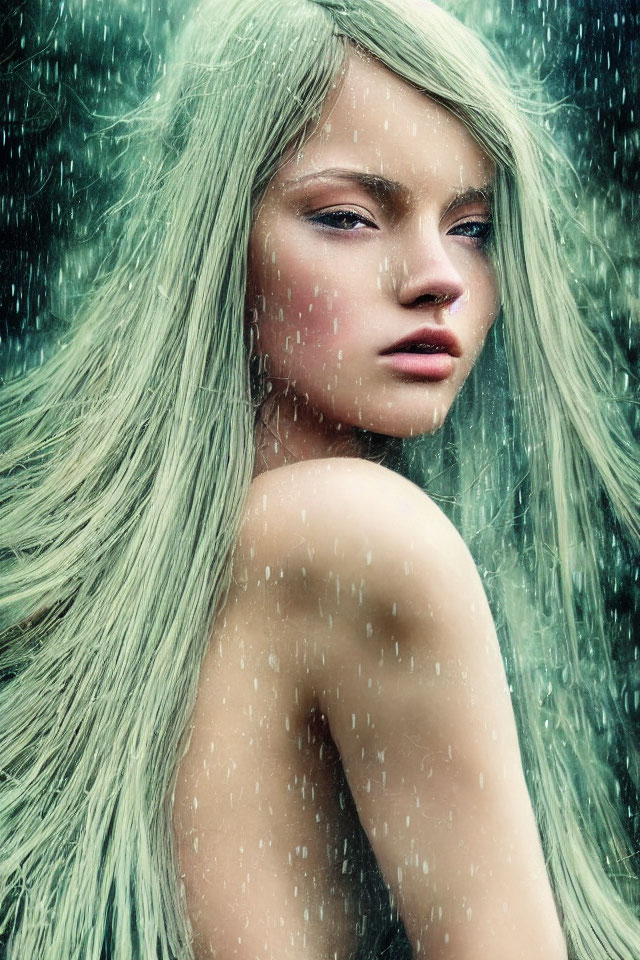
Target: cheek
[(328, 324), (298, 324), (303, 304)]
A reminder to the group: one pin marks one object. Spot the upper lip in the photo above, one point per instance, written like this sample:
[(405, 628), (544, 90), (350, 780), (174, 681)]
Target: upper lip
[(440, 338)]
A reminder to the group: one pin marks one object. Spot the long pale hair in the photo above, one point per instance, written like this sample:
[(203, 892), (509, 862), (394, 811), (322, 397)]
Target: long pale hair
[(126, 458)]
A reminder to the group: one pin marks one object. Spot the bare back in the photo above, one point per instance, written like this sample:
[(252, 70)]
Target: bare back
[(353, 682)]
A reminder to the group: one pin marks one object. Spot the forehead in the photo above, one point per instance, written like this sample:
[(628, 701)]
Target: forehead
[(378, 123)]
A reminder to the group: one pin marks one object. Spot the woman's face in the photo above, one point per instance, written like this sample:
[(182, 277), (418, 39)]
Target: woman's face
[(374, 232)]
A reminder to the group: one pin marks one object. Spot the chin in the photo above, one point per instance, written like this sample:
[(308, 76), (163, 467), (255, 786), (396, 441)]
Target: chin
[(405, 427)]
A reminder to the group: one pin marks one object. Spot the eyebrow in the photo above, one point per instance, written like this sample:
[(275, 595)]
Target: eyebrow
[(381, 188), (461, 198), (385, 190)]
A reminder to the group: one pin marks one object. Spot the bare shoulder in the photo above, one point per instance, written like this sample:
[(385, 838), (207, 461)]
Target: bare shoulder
[(351, 522), (347, 501)]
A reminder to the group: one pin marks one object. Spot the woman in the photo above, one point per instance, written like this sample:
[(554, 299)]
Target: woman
[(133, 528)]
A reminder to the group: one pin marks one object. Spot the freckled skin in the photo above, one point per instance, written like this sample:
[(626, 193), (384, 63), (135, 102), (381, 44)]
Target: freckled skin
[(328, 300)]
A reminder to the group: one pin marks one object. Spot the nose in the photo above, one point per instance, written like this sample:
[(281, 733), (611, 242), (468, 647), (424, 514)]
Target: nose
[(426, 275)]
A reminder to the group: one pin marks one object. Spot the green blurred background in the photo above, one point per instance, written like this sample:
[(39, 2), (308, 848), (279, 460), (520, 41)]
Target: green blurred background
[(68, 68)]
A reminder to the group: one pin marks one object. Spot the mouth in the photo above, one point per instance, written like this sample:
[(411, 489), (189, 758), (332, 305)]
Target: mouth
[(427, 340)]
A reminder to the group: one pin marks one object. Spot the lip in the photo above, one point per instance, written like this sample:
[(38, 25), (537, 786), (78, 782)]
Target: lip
[(443, 340), (425, 366)]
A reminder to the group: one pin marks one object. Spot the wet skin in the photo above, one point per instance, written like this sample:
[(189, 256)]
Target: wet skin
[(356, 645), (378, 226)]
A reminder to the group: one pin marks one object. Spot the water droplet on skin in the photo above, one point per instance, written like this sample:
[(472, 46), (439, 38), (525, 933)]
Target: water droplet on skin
[(274, 662)]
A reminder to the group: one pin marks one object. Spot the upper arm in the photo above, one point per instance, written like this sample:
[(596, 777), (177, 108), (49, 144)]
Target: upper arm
[(370, 587), (364, 565)]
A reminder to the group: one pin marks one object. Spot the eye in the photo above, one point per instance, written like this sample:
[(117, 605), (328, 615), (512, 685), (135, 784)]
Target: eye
[(343, 220), (479, 231)]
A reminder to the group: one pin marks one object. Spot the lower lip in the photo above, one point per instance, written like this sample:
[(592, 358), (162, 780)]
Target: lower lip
[(430, 366)]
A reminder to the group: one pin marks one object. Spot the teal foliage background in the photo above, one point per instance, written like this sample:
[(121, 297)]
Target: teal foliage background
[(70, 68)]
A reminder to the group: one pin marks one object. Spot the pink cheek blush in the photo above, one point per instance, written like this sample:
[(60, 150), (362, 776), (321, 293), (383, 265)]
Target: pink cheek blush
[(316, 324), (324, 326)]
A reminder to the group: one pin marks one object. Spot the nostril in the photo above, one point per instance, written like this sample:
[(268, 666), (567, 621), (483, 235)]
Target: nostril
[(433, 299), (433, 285)]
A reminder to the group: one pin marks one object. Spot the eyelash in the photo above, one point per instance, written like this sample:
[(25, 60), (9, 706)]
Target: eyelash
[(340, 215), (481, 235), (483, 228)]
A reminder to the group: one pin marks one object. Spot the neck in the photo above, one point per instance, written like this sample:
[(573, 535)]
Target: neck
[(290, 429)]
